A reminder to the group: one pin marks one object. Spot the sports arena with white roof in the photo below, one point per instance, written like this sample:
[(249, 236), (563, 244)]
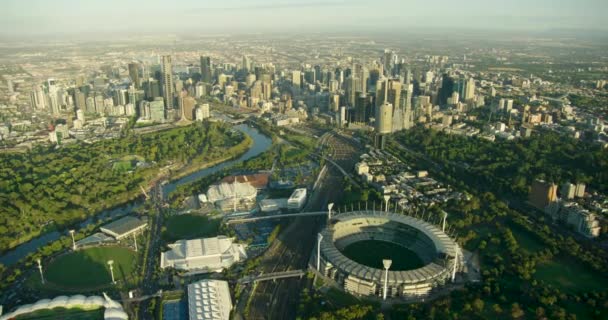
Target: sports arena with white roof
[(209, 300), (440, 254), (113, 309), (203, 255)]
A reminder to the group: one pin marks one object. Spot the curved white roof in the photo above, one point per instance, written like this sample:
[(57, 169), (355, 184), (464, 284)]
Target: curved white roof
[(60, 301), (113, 311), (115, 314), (95, 300), (77, 300)]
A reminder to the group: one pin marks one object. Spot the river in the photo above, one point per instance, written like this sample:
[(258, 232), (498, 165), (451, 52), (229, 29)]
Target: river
[(260, 144)]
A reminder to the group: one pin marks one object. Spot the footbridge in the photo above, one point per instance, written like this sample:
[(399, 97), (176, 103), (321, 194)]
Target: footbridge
[(273, 276)]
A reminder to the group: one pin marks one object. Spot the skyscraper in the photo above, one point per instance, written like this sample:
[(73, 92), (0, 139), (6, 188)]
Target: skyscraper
[(38, 98), (134, 74), (53, 96), (167, 78), (469, 91), (405, 107), (389, 62), (388, 90), (206, 72), (246, 63)]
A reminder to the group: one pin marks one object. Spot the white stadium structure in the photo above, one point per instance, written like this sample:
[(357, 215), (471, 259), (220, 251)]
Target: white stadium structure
[(441, 256), (203, 255), (113, 309)]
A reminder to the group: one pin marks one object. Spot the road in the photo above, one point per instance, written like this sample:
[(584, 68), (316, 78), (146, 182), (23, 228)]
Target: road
[(148, 285), (292, 249)]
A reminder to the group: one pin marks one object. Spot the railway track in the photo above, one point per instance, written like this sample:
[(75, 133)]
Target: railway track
[(291, 251)]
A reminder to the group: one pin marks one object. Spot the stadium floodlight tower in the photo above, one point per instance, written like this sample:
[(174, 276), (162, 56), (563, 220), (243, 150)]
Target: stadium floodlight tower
[(329, 207), (111, 263), (40, 269), (455, 266), (73, 240), (445, 216), (387, 265), (386, 199), (319, 239), (135, 241)]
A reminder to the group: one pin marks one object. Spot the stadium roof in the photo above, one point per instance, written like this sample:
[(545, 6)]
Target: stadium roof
[(209, 299), (258, 180), (443, 244), (123, 226)]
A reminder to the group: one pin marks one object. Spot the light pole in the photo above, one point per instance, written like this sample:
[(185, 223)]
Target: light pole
[(387, 264), (445, 216), (73, 241), (386, 198), (135, 240), (329, 207), (319, 239), (111, 263), (455, 266), (40, 269)]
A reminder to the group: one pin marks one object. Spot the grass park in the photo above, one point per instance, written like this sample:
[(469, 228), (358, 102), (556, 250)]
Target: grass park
[(371, 253), (570, 276), (88, 269), (190, 226)]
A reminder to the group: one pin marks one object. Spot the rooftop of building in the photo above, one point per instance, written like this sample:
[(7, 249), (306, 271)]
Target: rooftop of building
[(124, 225)]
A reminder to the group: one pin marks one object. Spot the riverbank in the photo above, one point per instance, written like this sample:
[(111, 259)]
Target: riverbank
[(235, 151), (24, 255)]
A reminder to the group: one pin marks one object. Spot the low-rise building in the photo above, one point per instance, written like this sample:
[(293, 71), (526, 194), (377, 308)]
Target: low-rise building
[(297, 199)]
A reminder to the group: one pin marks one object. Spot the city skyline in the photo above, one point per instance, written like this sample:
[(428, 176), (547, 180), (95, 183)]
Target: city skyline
[(63, 17)]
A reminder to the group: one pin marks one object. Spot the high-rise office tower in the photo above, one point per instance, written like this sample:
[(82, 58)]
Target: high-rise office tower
[(406, 105), (151, 89), (38, 98), (361, 108), (362, 74), (351, 85), (384, 123), (157, 110), (167, 78), (388, 90), (469, 91), (246, 63), (389, 62), (296, 78), (134, 74), (447, 88), (206, 72), (79, 100), (53, 96)]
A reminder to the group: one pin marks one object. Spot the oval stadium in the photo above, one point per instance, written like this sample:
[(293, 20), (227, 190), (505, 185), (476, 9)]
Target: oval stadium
[(354, 245)]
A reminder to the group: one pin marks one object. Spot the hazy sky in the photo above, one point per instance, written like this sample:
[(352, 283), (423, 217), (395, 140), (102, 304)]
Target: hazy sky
[(203, 16)]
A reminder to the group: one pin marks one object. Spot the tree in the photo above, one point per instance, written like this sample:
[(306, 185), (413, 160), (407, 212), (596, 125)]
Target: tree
[(516, 311), (478, 305)]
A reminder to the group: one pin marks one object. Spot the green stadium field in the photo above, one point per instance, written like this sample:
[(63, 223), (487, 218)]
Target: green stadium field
[(88, 268), (371, 253), (188, 226)]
